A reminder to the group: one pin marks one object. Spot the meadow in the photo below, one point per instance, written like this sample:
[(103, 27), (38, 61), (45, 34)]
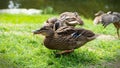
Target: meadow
[(19, 48)]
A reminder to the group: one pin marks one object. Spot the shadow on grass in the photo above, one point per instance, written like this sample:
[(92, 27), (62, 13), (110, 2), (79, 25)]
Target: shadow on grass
[(75, 59), (83, 59)]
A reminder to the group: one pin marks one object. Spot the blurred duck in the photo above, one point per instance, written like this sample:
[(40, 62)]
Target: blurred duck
[(108, 18), (65, 38), (66, 19)]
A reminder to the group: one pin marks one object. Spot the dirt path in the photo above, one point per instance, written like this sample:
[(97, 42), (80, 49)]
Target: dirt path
[(115, 64), (106, 37)]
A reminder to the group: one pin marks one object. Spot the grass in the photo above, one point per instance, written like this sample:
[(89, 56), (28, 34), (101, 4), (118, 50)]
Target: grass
[(19, 48)]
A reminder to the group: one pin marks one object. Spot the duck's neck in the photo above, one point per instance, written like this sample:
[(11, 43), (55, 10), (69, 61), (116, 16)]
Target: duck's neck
[(51, 36)]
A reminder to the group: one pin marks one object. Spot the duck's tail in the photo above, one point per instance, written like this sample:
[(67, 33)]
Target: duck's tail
[(93, 37)]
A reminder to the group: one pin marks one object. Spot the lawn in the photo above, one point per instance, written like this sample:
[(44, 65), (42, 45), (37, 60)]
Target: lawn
[(19, 48)]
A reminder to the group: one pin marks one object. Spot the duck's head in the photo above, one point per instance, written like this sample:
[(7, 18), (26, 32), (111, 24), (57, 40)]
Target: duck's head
[(109, 12), (50, 22), (99, 13), (98, 16), (45, 30)]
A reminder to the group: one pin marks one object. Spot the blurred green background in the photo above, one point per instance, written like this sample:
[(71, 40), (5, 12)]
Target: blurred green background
[(87, 8)]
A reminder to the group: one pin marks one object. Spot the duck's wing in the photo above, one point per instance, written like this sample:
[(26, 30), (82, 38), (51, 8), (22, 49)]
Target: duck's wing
[(75, 32), (85, 32), (50, 22), (114, 13), (90, 35), (70, 38), (65, 30)]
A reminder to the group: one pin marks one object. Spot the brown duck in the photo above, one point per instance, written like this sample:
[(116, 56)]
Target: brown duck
[(107, 18), (71, 19), (65, 38), (65, 19)]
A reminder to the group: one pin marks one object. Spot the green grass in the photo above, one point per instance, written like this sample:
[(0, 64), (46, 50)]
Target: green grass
[(19, 48)]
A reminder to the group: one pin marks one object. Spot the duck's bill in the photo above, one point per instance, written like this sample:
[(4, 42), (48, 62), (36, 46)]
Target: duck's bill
[(36, 32)]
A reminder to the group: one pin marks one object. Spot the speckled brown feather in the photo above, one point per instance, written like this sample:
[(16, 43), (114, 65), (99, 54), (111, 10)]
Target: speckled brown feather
[(65, 19), (69, 30), (64, 41)]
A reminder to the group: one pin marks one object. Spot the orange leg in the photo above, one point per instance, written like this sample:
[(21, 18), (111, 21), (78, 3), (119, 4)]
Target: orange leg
[(65, 52), (117, 25), (118, 33)]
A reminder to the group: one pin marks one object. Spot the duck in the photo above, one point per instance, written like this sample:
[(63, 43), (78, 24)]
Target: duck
[(51, 22), (66, 38), (71, 18), (108, 18), (65, 19)]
